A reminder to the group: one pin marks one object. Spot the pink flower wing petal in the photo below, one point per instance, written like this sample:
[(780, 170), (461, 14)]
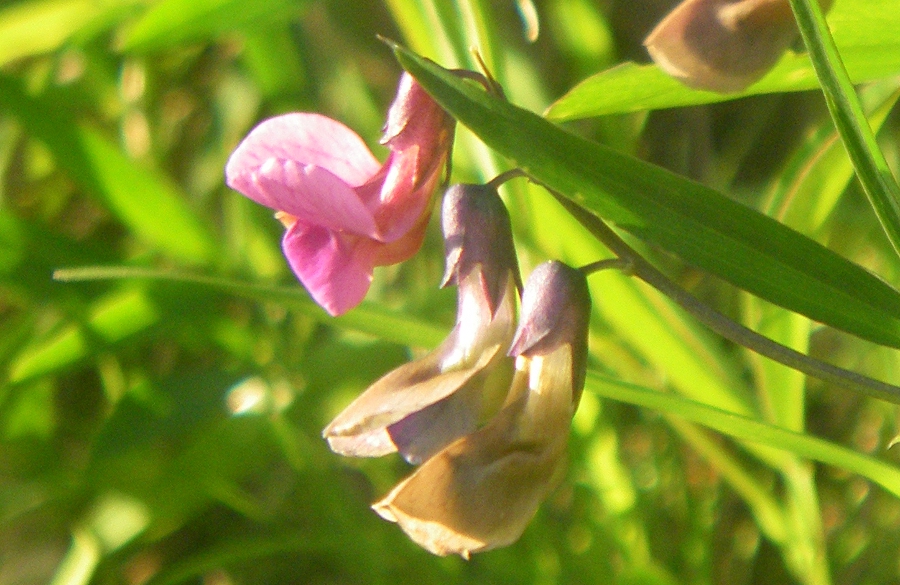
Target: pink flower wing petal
[(309, 139), (335, 268)]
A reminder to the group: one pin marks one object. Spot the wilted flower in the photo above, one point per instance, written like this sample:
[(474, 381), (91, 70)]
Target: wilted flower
[(481, 491), (723, 45), (344, 212), (422, 406)]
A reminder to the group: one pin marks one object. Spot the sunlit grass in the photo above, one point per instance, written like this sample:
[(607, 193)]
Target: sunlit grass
[(162, 399)]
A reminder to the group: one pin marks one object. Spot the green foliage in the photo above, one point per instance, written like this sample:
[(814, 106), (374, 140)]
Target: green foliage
[(161, 399)]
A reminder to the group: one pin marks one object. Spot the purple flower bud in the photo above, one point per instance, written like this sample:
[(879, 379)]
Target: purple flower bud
[(556, 308), (426, 404), (478, 235)]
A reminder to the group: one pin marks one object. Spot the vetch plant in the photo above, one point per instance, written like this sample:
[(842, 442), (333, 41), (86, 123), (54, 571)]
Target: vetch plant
[(478, 488), (694, 457), (480, 492), (344, 212)]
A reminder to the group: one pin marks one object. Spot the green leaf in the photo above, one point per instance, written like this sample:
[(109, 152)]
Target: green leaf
[(145, 201), (849, 119), (703, 227), (865, 33)]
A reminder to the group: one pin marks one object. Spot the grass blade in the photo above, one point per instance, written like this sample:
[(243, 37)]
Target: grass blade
[(849, 119)]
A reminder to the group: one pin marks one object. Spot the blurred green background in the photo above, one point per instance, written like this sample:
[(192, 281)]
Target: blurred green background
[(160, 417)]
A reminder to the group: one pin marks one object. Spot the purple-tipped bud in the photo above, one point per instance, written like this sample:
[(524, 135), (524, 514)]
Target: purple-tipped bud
[(556, 307), (424, 405), (478, 234)]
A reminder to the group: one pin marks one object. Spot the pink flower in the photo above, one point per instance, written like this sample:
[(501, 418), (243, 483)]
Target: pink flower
[(344, 212)]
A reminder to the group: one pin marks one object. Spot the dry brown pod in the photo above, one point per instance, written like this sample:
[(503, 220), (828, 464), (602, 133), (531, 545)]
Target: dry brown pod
[(723, 45)]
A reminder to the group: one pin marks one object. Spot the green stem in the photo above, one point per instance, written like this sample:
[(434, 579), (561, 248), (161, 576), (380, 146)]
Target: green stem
[(722, 324)]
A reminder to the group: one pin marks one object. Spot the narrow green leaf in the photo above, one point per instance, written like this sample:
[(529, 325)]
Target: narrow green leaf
[(849, 119), (740, 427), (630, 87), (149, 204), (865, 32), (123, 314), (367, 318), (703, 227)]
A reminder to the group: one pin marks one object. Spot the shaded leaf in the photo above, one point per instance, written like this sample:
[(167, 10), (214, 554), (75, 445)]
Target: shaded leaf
[(178, 21), (144, 200)]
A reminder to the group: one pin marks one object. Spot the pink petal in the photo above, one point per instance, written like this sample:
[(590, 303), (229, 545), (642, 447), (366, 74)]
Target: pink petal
[(311, 194), (309, 139), (405, 247), (403, 196), (335, 268)]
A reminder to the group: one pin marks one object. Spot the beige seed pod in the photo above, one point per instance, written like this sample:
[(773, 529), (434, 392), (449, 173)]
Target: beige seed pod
[(723, 45)]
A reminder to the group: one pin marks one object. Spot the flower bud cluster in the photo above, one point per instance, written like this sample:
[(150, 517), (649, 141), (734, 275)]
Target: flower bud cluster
[(478, 487)]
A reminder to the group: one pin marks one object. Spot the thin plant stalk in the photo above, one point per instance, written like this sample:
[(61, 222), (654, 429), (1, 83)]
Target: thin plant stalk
[(721, 324)]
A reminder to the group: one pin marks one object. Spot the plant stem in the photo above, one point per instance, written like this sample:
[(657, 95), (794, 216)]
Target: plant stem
[(721, 324)]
